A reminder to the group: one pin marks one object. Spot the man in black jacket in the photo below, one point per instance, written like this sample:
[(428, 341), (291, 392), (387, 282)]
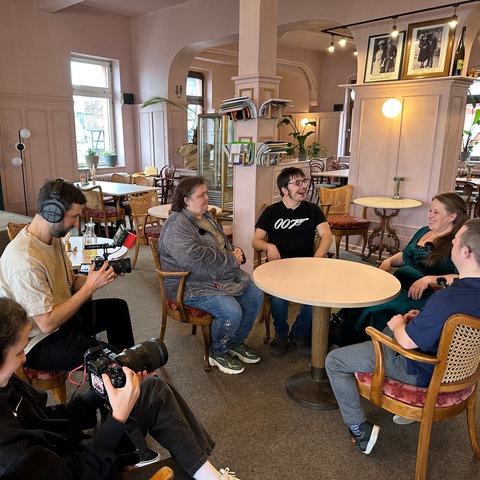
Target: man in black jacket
[(40, 442)]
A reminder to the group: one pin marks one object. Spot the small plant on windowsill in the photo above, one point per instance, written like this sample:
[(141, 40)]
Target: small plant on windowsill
[(110, 158), (91, 158), (299, 136)]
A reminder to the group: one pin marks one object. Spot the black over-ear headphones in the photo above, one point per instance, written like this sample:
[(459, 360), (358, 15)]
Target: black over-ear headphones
[(53, 210)]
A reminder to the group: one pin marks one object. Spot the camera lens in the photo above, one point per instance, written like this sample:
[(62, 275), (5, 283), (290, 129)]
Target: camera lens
[(148, 355)]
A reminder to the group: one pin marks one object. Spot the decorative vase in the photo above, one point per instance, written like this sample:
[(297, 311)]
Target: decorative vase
[(91, 161), (465, 156), (302, 156)]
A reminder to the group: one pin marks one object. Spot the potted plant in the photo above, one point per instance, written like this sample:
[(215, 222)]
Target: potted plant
[(317, 150), (91, 158), (110, 158), (471, 136), (298, 135)]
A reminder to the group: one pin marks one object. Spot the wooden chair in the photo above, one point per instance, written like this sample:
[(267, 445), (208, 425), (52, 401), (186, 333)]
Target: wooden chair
[(316, 167), (452, 389), (120, 178), (46, 380), (470, 194), (339, 219), (177, 310), (96, 209), (13, 229), (165, 182), (145, 226), (145, 181), (41, 379)]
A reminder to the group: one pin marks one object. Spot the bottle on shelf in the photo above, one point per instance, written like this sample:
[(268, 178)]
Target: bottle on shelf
[(459, 55)]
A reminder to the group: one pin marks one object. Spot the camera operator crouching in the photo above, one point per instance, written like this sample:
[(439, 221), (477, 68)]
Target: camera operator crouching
[(36, 272), (52, 439)]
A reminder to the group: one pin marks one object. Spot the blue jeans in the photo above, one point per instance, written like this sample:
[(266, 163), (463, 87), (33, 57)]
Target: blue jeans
[(341, 363), (233, 317), (303, 323)]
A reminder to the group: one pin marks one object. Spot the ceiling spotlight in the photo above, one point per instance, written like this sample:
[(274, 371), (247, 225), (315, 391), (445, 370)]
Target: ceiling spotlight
[(331, 48), (355, 52), (394, 33), (343, 41), (454, 20)]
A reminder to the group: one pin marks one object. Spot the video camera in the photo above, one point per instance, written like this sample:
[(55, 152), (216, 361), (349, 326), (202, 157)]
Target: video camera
[(148, 355), (121, 265)]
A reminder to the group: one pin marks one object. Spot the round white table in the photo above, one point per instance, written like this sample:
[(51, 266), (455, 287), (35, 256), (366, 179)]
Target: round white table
[(323, 283), (162, 211), (78, 256), (384, 237)]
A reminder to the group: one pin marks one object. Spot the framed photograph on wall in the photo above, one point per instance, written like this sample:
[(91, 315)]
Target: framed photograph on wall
[(429, 49), (384, 57)]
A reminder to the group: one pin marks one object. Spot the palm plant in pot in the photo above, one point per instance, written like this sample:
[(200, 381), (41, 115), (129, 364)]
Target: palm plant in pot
[(299, 135)]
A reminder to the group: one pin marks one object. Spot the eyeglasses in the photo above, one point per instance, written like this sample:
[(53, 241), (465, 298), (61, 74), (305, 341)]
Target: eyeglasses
[(298, 183)]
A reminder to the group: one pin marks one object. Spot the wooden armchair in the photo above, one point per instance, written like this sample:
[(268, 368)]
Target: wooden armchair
[(177, 310), (14, 228), (452, 389), (96, 209), (145, 226), (339, 219)]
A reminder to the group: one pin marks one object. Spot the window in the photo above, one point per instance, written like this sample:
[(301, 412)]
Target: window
[(473, 104), (92, 104), (195, 101)]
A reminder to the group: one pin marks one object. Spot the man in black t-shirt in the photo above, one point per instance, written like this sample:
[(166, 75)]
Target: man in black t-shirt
[(287, 229)]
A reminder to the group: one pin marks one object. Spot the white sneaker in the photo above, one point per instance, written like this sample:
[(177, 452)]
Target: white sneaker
[(227, 474), (402, 420)]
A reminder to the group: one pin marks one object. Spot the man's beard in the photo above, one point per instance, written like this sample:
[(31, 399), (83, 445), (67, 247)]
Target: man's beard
[(59, 231)]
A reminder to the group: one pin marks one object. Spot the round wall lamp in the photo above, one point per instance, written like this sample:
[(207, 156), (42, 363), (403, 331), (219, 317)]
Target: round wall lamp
[(391, 108), (17, 161)]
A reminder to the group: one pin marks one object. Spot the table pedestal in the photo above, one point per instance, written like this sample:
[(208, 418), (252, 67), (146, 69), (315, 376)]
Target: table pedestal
[(383, 237), (312, 389)]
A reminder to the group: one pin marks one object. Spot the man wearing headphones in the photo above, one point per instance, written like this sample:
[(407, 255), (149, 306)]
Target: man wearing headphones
[(36, 272)]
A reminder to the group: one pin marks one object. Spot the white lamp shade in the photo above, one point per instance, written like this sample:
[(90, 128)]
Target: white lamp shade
[(25, 133), (391, 108), (16, 161)]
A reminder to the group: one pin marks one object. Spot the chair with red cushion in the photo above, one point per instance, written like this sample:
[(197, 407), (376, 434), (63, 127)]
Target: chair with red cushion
[(96, 210), (339, 219), (177, 310), (46, 380), (452, 389)]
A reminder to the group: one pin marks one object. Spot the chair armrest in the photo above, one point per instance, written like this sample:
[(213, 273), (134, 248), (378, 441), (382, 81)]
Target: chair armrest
[(325, 208), (394, 345)]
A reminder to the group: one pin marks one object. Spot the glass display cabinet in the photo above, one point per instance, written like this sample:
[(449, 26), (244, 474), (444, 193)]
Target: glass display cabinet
[(214, 131)]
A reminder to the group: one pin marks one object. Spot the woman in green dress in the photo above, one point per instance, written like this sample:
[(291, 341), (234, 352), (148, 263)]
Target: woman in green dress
[(423, 260)]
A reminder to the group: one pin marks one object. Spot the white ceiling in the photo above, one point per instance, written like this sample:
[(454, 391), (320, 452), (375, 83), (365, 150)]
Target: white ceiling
[(307, 36)]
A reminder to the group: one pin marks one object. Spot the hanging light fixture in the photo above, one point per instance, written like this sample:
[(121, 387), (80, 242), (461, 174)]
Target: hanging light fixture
[(331, 48), (394, 33), (343, 41), (454, 20), (355, 52), (18, 161)]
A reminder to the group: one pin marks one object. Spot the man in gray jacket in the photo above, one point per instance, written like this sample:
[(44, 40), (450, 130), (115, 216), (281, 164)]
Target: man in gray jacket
[(192, 240)]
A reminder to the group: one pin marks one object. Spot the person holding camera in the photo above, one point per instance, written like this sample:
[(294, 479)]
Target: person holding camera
[(191, 240), (36, 272), (40, 441)]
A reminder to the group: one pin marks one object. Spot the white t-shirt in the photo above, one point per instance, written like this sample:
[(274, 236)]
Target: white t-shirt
[(36, 275)]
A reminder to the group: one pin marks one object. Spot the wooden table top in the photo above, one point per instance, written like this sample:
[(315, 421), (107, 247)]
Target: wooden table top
[(326, 282), (343, 173), (387, 202), (118, 189)]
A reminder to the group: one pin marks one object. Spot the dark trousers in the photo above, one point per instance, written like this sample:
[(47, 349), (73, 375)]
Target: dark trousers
[(64, 349), (164, 414)]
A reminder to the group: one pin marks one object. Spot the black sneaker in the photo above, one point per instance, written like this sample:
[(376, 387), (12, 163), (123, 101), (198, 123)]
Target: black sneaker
[(148, 457), (304, 344), (278, 346), (367, 439)]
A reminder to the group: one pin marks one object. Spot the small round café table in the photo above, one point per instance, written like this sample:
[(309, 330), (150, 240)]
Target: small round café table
[(162, 211), (384, 237), (323, 283)]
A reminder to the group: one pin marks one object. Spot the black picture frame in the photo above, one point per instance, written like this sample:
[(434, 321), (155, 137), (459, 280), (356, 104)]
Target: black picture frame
[(384, 57)]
